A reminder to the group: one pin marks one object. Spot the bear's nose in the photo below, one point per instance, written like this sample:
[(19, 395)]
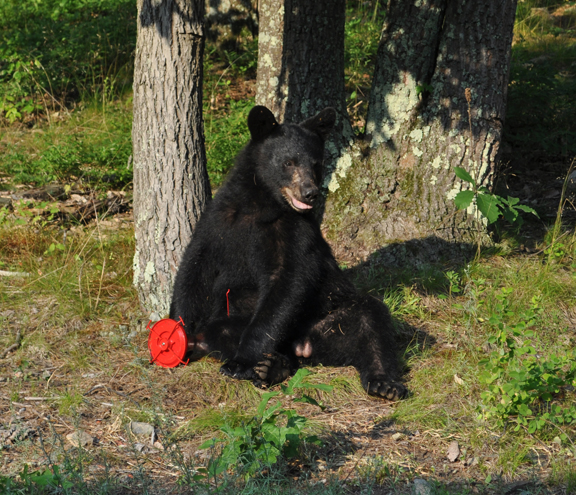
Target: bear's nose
[(309, 192)]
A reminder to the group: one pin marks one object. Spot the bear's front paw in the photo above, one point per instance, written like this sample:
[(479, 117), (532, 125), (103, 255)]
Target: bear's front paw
[(273, 369), (385, 388), (238, 370)]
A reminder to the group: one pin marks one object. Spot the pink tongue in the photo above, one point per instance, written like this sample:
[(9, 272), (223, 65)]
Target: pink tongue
[(299, 204)]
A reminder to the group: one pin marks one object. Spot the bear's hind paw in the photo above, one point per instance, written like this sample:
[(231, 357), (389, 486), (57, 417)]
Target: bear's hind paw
[(237, 370), (273, 369), (381, 387)]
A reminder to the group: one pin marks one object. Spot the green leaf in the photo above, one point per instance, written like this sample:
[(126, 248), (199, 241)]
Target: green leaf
[(465, 176), (463, 199), (526, 209), (488, 206), (264, 402), (309, 400), (209, 443), (270, 411), (510, 214), (295, 381), (318, 386)]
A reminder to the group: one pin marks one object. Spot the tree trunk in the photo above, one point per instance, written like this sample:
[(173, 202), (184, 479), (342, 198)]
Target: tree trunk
[(396, 185), (399, 184), (170, 180), (301, 62)]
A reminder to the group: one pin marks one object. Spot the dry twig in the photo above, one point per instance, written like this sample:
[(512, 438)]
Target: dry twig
[(14, 346)]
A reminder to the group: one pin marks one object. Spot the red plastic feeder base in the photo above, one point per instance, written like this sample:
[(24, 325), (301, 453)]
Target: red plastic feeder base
[(168, 343)]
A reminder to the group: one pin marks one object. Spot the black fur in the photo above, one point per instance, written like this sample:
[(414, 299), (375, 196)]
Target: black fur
[(259, 239)]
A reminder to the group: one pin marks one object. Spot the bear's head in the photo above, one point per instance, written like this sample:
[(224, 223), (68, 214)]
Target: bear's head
[(289, 157)]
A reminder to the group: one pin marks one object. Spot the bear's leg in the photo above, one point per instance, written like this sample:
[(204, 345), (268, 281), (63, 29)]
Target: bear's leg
[(360, 334), (219, 338)]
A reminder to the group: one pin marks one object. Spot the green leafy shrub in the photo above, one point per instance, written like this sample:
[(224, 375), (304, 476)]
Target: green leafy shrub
[(489, 204), (273, 433), (523, 387)]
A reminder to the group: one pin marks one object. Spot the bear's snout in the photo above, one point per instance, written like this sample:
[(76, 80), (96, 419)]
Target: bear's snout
[(309, 191)]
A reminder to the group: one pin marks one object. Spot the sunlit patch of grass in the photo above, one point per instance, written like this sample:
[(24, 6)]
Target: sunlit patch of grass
[(443, 391), (514, 451), (542, 73), (88, 147), (563, 472), (69, 402)]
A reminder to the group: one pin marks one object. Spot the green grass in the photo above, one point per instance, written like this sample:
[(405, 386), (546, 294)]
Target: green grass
[(541, 101), (54, 52), (90, 147)]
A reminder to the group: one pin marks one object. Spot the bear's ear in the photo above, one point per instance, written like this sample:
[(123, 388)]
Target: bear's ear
[(322, 123), (261, 123)]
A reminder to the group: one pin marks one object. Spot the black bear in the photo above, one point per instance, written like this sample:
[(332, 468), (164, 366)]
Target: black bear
[(258, 285)]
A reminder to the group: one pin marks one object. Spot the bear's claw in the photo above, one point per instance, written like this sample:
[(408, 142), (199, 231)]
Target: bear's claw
[(273, 369), (382, 387), (237, 370)]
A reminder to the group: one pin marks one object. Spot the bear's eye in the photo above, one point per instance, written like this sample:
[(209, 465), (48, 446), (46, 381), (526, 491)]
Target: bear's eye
[(288, 163)]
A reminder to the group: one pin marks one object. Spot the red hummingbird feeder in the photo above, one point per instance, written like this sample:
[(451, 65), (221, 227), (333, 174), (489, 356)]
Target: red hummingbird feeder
[(168, 343)]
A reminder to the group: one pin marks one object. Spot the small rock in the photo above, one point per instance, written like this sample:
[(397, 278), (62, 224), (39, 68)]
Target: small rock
[(472, 461), (139, 428), (139, 447), (154, 317), (78, 198), (158, 445), (422, 487), (458, 380), (143, 429), (80, 439), (453, 451), (397, 436)]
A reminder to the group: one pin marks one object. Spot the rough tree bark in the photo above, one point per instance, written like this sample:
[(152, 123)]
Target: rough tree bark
[(396, 184), (170, 180), (301, 62), (402, 186)]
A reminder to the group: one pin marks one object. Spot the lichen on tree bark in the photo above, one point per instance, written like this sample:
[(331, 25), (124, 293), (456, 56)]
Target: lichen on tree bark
[(399, 185)]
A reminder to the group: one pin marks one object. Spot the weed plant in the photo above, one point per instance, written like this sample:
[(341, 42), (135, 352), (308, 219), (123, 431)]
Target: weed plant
[(274, 432)]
